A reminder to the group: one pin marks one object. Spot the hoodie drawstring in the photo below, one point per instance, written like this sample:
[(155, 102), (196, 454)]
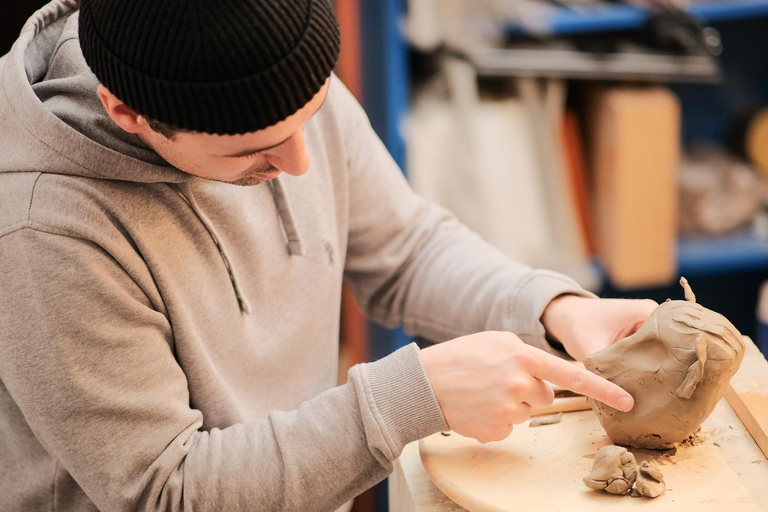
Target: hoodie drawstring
[(295, 245), (186, 194)]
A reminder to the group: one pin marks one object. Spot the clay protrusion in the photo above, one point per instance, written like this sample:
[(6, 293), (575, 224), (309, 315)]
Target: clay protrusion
[(689, 295)]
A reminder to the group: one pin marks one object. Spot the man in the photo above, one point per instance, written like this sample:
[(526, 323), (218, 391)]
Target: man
[(169, 340)]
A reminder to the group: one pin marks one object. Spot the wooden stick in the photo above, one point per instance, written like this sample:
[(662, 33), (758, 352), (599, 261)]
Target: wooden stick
[(569, 404), (748, 394)]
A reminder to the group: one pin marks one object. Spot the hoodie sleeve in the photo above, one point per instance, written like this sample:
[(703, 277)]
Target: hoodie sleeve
[(413, 263), (91, 365)]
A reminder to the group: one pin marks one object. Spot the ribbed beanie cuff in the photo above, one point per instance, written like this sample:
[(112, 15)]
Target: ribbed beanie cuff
[(225, 67)]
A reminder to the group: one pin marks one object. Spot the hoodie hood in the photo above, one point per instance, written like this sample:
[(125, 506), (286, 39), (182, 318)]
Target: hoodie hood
[(48, 102)]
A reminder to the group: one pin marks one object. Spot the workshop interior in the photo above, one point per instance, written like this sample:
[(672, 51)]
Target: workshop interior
[(622, 143)]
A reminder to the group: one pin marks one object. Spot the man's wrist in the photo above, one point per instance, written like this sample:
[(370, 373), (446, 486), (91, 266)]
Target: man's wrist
[(551, 316)]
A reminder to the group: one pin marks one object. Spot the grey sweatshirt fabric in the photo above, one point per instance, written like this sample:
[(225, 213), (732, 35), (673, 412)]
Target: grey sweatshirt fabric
[(171, 343)]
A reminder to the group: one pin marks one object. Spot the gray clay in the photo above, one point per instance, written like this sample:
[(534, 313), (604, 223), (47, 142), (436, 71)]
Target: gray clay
[(676, 366), (546, 420)]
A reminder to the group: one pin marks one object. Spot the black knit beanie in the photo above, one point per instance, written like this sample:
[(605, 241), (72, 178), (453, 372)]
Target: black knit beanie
[(212, 66)]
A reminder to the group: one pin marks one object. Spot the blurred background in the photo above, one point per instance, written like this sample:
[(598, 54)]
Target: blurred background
[(624, 143)]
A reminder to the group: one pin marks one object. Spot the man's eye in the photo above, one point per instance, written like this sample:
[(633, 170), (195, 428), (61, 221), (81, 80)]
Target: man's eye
[(250, 155)]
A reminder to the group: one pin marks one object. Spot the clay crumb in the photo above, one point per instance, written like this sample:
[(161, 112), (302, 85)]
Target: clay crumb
[(589, 456), (694, 439), (546, 420), (614, 470), (650, 481), (756, 461), (717, 444), (446, 434)]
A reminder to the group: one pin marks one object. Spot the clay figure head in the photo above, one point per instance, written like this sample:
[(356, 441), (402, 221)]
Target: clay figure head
[(676, 366)]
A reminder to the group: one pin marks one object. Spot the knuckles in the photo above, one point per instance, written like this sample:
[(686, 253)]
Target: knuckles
[(577, 379), (522, 356)]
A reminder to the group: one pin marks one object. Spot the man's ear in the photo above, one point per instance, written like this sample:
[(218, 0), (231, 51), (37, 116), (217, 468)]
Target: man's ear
[(120, 113)]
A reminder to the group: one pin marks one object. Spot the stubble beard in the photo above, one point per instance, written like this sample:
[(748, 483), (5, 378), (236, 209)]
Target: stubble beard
[(252, 178)]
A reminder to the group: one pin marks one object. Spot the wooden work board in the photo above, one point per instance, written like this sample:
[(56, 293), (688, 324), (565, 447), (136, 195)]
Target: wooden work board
[(541, 468)]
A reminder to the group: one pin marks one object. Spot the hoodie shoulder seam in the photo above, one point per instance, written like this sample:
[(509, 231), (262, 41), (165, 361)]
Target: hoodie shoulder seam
[(12, 229), (40, 228)]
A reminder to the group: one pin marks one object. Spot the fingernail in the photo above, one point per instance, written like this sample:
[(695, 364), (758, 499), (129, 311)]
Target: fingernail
[(626, 403)]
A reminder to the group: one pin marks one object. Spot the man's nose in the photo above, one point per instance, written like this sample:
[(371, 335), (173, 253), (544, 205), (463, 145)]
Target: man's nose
[(291, 156)]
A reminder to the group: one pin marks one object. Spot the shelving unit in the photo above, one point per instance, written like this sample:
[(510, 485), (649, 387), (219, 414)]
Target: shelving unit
[(697, 256), (612, 18), (388, 104), (563, 61)]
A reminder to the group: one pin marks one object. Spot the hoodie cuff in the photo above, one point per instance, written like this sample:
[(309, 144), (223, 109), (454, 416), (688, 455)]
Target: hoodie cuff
[(527, 305), (400, 398)]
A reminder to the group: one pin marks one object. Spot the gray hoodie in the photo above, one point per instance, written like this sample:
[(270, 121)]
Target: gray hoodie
[(171, 343)]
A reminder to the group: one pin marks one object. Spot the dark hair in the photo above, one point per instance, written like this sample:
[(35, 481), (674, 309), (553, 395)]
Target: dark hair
[(163, 129)]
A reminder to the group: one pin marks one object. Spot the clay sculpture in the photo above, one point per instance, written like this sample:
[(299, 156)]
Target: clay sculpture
[(676, 366), (613, 471)]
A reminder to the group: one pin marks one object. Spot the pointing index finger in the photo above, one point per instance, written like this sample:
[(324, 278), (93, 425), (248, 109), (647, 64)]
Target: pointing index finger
[(580, 380)]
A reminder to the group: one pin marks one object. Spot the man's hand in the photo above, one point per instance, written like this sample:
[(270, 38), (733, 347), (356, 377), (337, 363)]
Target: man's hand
[(585, 325), (488, 381)]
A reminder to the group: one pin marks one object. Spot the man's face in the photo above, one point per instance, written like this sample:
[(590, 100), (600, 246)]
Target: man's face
[(246, 160)]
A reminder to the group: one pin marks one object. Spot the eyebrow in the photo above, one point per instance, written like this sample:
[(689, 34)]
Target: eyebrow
[(252, 151)]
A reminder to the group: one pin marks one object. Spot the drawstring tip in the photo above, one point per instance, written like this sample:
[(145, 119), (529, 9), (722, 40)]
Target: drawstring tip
[(296, 248), (245, 307)]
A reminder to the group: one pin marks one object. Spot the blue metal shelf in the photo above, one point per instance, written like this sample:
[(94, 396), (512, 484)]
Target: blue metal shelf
[(738, 252), (385, 98), (603, 18), (714, 12), (699, 256)]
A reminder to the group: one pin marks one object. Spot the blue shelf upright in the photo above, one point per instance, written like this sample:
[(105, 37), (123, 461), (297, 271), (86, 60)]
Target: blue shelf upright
[(385, 72), (385, 98)]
